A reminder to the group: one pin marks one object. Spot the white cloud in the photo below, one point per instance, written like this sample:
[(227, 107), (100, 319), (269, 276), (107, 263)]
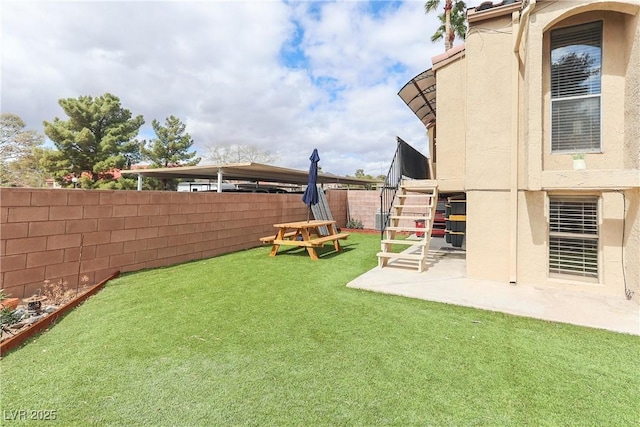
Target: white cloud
[(218, 66)]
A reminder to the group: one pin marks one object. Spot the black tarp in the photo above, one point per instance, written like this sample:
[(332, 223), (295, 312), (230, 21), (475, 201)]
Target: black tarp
[(413, 164)]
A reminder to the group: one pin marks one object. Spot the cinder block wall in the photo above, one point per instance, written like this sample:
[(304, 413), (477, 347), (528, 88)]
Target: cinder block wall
[(363, 205), (337, 200), (86, 235)]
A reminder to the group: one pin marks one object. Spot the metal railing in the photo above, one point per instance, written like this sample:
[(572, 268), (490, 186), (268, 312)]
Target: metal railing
[(389, 189), (407, 161)]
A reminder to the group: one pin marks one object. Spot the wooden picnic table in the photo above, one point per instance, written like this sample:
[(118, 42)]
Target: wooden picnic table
[(305, 234)]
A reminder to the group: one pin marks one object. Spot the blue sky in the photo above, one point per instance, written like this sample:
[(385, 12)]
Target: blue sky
[(284, 76)]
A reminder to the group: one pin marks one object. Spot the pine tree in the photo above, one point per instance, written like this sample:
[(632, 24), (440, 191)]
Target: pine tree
[(170, 148), (97, 138)]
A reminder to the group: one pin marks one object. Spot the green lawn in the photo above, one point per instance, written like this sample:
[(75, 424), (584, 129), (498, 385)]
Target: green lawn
[(246, 339)]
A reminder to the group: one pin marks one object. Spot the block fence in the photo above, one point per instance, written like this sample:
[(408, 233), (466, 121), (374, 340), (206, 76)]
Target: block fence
[(83, 236), (363, 205)]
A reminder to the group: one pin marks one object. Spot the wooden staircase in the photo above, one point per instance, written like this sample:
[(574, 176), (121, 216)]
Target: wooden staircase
[(409, 206)]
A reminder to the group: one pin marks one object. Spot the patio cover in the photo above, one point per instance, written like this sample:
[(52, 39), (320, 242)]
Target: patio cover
[(247, 172), (420, 96)]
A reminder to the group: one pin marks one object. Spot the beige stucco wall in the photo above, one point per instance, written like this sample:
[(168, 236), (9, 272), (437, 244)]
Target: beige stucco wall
[(619, 92), (632, 160), (616, 167), (533, 240), (487, 128), (489, 149), (487, 235), (451, 101), (489, 73), (632, 97), (532, 252), (613, 87), (633, 246), (632, 243)]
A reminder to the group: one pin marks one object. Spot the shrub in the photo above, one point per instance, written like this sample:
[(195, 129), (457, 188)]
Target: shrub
[(355, 224)]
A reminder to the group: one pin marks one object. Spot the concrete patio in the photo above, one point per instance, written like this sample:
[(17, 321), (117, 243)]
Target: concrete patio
[(444, 281)]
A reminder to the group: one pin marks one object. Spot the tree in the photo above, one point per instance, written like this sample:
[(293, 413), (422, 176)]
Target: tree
[(222, 154), (453, 21), (575, 119), (97, 138), (170, 148), (18, 166), (28, 170), (360, 174), (570, 72)]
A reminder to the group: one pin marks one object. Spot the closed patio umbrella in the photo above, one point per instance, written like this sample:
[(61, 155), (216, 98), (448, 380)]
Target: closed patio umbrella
[(310, 196)]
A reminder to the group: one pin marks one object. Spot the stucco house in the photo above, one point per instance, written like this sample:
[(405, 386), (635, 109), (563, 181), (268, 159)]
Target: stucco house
[(535, 85)]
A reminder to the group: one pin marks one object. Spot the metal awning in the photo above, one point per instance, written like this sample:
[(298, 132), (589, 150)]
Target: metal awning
[(246, 172), (420, 96)]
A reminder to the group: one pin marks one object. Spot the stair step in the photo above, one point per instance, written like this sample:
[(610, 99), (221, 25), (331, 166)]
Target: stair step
[(422, 195), (422, 204), (411, 217), (419, 183), (410, 242), (421, 207), (413, 229), (417, 257), (416, 201), (415, 193)]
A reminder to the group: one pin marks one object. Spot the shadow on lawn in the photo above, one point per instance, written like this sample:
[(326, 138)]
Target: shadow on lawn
[(323, 252)]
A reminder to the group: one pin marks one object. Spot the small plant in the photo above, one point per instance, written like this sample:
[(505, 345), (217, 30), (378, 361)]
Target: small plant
[(355, 224), (56, 292), (8, 317), (3, 295), (578, 161)]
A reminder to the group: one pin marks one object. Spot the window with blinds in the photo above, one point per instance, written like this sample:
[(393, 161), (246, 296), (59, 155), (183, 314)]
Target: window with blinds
[(576, 62), (573, 236)]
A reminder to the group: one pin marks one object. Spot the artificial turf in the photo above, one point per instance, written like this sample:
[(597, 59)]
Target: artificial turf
[(247, 339)]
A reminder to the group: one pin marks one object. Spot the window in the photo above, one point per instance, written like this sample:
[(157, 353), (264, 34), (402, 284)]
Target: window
[(573, 236), (576, 62)]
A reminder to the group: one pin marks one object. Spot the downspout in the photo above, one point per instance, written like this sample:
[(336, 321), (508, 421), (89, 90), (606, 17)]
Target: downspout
[(515, 122), (513, 188), (519, 20), (524, 16)]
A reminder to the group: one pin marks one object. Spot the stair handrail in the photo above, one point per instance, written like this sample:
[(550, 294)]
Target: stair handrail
[(390, 188), (415, 165)]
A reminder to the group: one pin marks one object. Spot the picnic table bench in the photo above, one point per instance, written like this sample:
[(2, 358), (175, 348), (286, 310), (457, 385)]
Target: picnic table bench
[(269, 239), (305, 234)]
